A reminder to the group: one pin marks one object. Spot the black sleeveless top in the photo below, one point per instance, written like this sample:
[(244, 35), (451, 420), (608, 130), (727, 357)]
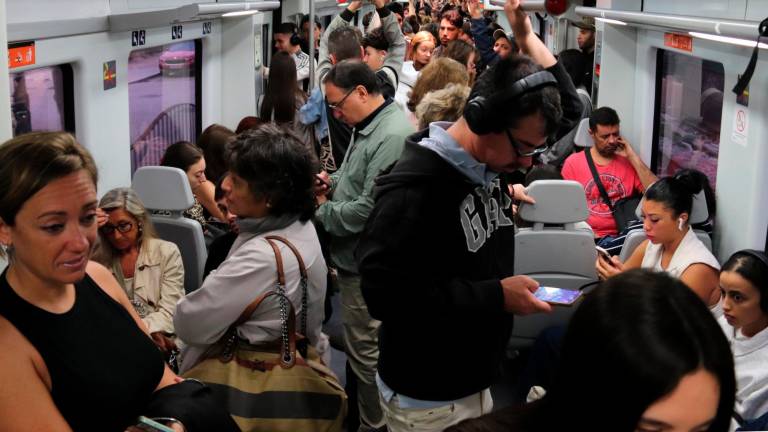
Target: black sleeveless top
[(103, 368)]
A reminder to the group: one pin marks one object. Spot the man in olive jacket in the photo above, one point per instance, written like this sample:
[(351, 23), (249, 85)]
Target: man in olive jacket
[(379, 129)]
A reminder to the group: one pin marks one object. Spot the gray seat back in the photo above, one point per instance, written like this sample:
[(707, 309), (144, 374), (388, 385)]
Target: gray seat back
[(582, 137), (699, 214), (555, 251), (166, 193)]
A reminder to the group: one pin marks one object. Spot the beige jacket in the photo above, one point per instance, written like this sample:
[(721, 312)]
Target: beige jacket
[(158, 281)]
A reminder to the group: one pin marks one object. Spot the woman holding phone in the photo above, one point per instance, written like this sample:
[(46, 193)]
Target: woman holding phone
[(672, 246)]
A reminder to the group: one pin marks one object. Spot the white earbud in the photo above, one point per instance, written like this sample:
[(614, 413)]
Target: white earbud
[(680, 222)]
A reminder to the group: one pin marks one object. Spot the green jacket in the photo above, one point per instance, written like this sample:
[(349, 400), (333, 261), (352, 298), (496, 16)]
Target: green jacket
[(377, 146)]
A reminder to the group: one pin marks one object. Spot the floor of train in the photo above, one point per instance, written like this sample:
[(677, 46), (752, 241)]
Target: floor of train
[(502, 391)]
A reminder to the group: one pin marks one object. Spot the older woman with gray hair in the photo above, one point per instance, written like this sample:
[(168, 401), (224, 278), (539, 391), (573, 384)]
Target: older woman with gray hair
[(150, 270)]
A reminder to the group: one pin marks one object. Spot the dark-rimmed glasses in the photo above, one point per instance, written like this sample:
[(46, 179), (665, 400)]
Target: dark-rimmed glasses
[(123, 227), (516, 145), (337, 105)]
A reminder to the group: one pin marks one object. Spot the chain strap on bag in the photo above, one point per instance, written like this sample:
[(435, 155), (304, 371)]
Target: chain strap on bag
[(301, 394)]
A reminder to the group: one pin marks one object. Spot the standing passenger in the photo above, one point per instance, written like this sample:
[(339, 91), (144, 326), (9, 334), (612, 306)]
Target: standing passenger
[(437, 254), (379, 130)]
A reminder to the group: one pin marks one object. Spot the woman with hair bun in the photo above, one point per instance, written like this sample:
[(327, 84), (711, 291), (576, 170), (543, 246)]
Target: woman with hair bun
[(744, 287), (672, 246)]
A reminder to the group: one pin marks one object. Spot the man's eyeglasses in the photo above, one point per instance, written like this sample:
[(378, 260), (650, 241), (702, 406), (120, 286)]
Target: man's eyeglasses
[(516, 145), (337, 105), (123, 227)]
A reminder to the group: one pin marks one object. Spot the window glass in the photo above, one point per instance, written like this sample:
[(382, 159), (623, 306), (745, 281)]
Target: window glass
[(689, 109), (41, 99), (162, 95)]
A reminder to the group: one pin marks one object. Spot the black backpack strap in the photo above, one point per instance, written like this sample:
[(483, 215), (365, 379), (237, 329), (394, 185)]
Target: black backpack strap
[(596, 176)]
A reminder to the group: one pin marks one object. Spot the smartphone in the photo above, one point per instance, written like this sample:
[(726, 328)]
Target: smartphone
[(149, 425), (557, 296), (603, 253)]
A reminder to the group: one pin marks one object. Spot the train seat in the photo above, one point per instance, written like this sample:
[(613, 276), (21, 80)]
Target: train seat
[(699, 214), (556, 251), (165, 191), (582, 137)]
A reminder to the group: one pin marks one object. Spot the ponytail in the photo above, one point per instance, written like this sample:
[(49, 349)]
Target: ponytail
[(676, 192)]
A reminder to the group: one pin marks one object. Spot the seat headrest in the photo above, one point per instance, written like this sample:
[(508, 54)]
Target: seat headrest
[(699, 211), (557, 202), (163, 188), (582, 138)]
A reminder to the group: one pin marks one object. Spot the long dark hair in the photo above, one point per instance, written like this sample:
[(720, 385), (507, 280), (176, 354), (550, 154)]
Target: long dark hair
[(213, 141), (282, 89), (628, 345)]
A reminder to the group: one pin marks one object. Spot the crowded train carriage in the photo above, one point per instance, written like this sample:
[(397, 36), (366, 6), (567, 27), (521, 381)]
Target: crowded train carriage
[(419, 215)]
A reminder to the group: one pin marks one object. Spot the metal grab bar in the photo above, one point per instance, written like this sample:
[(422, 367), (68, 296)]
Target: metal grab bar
[(739, 29)]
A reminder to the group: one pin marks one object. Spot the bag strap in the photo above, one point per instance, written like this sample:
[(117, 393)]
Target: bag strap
[(596, 177), (302, 283)]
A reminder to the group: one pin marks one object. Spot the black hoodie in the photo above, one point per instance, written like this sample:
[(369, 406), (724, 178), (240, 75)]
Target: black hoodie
[(431, 259)]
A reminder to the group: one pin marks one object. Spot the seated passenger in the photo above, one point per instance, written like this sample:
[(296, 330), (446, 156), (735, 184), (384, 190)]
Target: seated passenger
[(640, 354), (672, 246), (148, 269), (75, 356), (744, 285), (219, 248), (213, 141), (621, 171), (189, 158), (270, 186)]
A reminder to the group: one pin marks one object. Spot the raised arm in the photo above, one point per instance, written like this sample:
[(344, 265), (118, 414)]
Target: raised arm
[(529, 43), (324, 56), (532, 46), (396, 51), (479, 29)]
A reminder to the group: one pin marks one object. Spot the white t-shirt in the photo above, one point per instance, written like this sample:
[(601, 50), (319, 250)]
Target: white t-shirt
[(750, 358)]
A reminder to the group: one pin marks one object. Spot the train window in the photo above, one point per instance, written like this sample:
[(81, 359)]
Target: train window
[(42, 100), (163, 98), (689, 108)]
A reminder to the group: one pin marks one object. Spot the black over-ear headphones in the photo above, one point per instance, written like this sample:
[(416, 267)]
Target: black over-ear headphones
[(295, 38), (482, 114)]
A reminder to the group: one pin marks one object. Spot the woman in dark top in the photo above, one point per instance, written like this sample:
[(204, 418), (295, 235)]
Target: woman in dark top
[(642, 353), (75, 355)]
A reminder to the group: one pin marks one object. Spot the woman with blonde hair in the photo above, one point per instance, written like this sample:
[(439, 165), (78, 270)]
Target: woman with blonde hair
[(435, 76), (149, 270), (420, 54)]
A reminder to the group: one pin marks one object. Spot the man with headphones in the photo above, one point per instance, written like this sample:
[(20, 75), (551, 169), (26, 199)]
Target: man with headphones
[(437, 254), (287, 39)]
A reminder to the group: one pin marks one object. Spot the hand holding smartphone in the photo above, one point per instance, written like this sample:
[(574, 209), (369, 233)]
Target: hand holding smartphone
[(557, 296), (603, 253), (149, 425)]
